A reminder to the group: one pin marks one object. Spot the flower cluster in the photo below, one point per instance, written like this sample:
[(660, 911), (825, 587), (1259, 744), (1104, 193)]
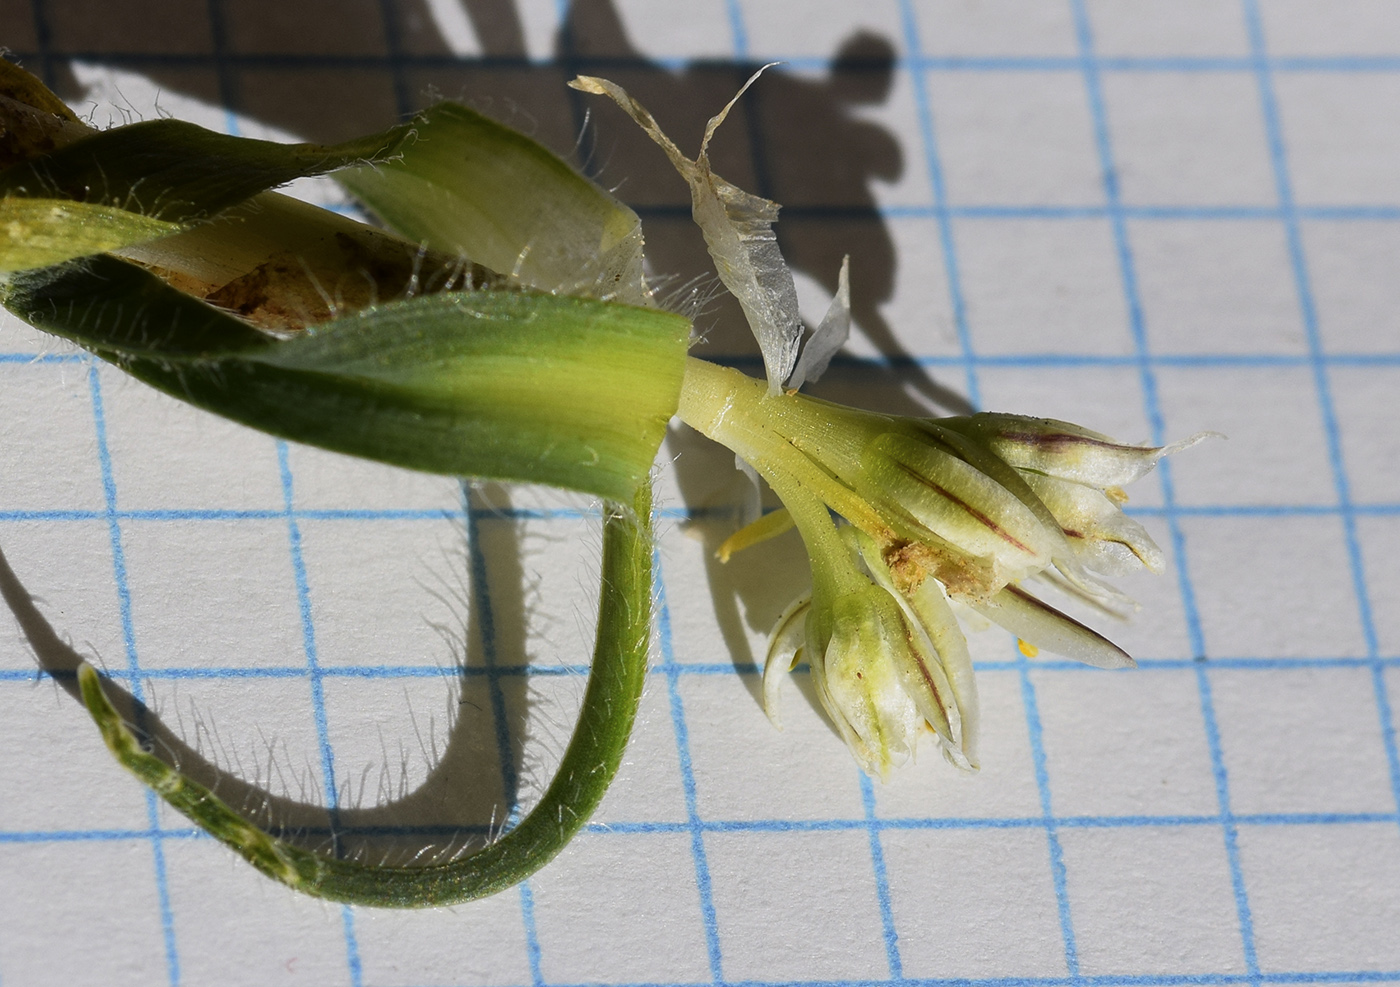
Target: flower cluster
[(932, 513)]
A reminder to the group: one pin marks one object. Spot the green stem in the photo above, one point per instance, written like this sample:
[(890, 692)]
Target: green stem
[(812, 447), (589, 764), (737, 411)]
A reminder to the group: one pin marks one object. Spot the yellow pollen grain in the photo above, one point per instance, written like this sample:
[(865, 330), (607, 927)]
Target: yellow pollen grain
[(1026, 648)]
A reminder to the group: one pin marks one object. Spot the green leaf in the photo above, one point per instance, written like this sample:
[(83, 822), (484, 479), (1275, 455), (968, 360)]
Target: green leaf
[(40, 232), (25, 87), (176, 171), (565, 391), (119, 310), (469, 185)]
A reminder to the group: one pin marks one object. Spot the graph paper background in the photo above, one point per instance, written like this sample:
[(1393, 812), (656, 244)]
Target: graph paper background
[(1151, 218)]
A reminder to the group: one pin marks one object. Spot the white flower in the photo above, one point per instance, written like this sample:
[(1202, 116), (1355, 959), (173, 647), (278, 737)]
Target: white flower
[(967, 510), (886, 666)]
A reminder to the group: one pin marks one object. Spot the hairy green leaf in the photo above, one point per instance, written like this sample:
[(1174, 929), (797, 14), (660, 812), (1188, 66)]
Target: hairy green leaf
[(472, 186), (565, 391), (176, 171), (40, 232)]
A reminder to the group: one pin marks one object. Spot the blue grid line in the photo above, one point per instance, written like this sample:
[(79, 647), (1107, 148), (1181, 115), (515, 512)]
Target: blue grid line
[(28, 676), (737, 31), (43, 357), (1068, 64), (1058, 874), (757, 149), (682, 734), (882, 881), (1197, 638), (308, 639), (1387, 724), (864, 824), (1308, 309), (1284, 185), (1141, 211), (352, 946), (228, 84), (532, 939), (1223, 361), (510, 780), (403, 98), (1228, 823), (934, 164), (486, 624), (318, 700), (1128, 274), (43, 38), (133, 666), (680, 514), (228, 87)]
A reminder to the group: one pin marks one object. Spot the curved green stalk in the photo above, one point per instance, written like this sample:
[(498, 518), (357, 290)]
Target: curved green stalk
[(555, 385), (604, 724)]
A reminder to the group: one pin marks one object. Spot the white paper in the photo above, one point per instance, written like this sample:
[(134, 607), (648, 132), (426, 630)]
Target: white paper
[(1225, 813)]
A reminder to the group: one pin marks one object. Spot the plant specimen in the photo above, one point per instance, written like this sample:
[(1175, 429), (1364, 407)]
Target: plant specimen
[(502, 326)]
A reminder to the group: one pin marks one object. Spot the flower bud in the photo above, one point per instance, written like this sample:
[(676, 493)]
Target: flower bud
[(1063, 450), (962, 505), (855, 668), (878, 661), (1103, 537)]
